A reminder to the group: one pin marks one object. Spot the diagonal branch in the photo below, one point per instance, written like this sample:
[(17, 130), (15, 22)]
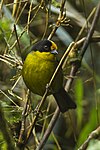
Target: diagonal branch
[(91, 31), (93, 135), (74, 69), (47, 89), (61, 19), (58, 23)]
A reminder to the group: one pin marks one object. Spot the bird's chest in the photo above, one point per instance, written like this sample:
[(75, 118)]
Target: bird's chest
[(37, 73), (42, 72)]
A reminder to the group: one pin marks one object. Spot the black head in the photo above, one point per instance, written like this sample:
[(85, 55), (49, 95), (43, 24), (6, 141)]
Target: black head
[(44, 46)]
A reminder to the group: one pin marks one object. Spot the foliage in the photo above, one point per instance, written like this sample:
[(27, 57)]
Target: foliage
[(21, 25)]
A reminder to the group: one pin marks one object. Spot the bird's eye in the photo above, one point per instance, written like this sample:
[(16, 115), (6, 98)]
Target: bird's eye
[(45, 47)]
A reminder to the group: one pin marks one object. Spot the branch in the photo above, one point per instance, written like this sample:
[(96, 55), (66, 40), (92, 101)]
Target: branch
[(23, 122), (91, 31), (75, 67), (61, 19), (49, 129), (17, 40), (47, 89), (55, 116), (93, 135)]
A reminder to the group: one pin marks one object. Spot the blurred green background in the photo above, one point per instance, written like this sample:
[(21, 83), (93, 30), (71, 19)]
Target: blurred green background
[(34, 21)]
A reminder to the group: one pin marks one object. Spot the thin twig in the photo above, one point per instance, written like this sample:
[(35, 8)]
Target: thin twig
[(60, 20), (29, 15), (84, 26), (47, 89), (17, 9), (91, 31), (25, 28), (50, 127), (51, 81), (9, 98), (55, 116), (19, 15), (1, 4), (74, 69), (47, 22), (93, 135), (17, 39), (22, 130)]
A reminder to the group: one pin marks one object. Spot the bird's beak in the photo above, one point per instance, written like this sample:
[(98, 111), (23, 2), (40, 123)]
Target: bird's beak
[(54, 51), (54, 48)]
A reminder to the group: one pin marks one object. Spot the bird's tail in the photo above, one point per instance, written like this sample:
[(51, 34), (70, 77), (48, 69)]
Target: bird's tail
[(64, 101)]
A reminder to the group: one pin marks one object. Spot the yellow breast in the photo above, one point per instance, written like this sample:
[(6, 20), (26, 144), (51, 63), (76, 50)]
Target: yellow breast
[(37, 71)]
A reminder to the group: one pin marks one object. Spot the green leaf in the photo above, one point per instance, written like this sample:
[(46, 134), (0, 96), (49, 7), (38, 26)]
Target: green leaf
[(79, 100), (88, 128)]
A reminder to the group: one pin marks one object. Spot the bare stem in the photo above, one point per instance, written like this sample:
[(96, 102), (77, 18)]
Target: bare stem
[(74, 69), (93, 135), (91, 31)]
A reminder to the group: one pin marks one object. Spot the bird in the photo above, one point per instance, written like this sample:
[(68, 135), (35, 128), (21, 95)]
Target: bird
[(38, 68)]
